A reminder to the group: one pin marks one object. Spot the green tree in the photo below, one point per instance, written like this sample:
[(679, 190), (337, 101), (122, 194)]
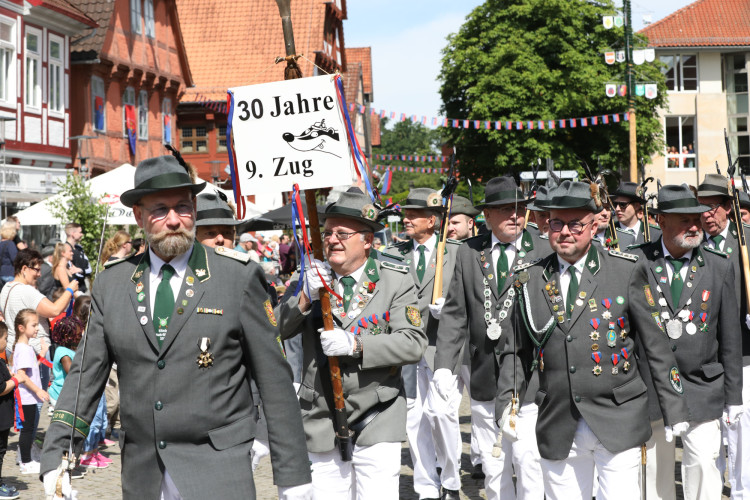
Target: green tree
[(519, 60), (78, 204)]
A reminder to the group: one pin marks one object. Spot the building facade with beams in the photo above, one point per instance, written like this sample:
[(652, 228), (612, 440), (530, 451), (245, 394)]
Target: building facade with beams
[(218, 37), (705, 48), (35, 108), (127, 79)]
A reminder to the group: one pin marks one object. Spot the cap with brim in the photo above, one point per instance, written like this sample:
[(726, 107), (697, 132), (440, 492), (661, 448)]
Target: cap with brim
[(714, 185), (501, 191), (245, 237), (462, 206), (423, 199), (354, 206), (47, 250), (744, 200), (571, 194), (630, 190), (673, 199), (538, 204), (213, 211), (158, 174)]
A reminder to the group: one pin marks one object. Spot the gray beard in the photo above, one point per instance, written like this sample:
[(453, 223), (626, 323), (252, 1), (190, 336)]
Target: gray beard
[(682, 242), (171, 245)]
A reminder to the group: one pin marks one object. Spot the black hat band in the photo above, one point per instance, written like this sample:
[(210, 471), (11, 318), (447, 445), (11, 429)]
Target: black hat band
[(215, 213), (503, 195), (682, 203), (165, 181)]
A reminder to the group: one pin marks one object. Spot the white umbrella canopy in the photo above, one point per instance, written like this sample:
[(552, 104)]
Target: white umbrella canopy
[(109, 186)]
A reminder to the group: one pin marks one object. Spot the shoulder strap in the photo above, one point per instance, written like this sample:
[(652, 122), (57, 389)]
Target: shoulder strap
[(5, 306)]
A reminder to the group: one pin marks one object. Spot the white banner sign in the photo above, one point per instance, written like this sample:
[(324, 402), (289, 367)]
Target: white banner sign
[(289, 132)]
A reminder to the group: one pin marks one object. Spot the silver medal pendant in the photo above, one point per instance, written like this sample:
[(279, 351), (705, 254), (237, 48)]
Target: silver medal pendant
[(674, 329), (494, 330), (690, 328)]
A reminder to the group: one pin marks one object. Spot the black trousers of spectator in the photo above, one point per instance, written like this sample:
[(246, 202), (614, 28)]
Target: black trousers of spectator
[(26, 437)]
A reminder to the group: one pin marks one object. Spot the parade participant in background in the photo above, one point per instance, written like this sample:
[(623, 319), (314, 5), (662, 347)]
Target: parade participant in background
[(538, 217), (603, 237), (378, 330), (628, 205), (477, 306), (177, 320), (744, 207), (46, 282), (74, 233), (581, 309), (698, 310), (721, 234), (461, 221), (422, 213)]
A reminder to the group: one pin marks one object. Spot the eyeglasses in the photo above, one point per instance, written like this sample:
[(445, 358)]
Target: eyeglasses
[(161, 212), (340, 235), (712, 206), (574, 226), (621, 204), (36, 269)]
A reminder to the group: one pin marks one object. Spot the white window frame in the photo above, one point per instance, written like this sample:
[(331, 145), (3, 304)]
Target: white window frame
[(32, 96), (8, 58), (96, 82), (166, 110), (142, 111), (56, 66), (128, 97), (679, 75), (148, 18), (682, 159), (136, 22)]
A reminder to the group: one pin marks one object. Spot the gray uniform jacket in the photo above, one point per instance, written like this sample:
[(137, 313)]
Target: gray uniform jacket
[(198, 423), (709, 359), (614, 405), (639, 238), (372, 381), (464, 311)]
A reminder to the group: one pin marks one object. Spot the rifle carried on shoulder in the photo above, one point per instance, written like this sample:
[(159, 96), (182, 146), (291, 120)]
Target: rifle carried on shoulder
[(738, 220)]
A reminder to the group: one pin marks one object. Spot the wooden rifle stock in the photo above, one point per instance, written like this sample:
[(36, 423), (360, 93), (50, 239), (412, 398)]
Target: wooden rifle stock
[(437, 287), (745, 260)]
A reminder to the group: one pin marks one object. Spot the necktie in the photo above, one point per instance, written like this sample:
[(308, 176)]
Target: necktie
[(163, 304), (676, 285), (717, 241), (348, 283), (572, 290), (421, 263), (502, 267)]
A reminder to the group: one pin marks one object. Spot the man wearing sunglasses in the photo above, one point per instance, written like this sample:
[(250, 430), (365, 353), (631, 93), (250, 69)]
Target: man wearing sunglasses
[(189, 327), (628, 204), (377, 330), (579, 311), (477, 306)]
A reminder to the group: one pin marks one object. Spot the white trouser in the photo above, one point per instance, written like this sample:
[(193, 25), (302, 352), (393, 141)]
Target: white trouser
[(168, 488), (371, 475), (738, 444), (660, 458), (701, 479), (419, 433), (573, 477), (260, 450), (464, 378)]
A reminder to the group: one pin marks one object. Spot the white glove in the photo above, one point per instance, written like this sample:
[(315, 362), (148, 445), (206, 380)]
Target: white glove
[(50, 484), (732, 413), (437, 307), (299, 492), (337, 342), (445, 382), (676, 430), (747, 320), (313, 282)]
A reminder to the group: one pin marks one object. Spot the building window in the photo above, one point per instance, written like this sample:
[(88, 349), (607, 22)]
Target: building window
[(33, 51), (221, 137), (143, 115), (681, 72), (680, 136), (56, 73), (737, 108), (7, 60), (98, 104), (135, 16), (194, 139), (166, 127), (148, 17), (128, 98)]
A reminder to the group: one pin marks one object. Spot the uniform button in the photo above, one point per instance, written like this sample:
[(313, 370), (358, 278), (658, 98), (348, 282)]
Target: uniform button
[(569, 338), (161, 364), (572, 369), (158, 405), (578, 399), (162, 445), (498, 306), (674, 348), (498, 351)]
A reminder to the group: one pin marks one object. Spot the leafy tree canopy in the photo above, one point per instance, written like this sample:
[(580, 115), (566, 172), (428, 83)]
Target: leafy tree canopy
[(524, 60)]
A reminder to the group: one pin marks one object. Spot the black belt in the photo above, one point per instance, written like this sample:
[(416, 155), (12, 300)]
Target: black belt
[(359, 425)]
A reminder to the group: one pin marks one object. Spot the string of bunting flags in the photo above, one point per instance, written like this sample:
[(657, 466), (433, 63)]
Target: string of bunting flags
[(418, 170), (422, 158)]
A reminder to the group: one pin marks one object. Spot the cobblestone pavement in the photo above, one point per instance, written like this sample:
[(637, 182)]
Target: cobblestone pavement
[(105, 483)]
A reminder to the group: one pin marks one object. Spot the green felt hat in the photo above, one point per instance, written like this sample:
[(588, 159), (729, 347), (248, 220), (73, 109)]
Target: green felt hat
[(463, 206), (423, 199), (355, 206), (214, 211), (572, 194), (673, 199), (714, 185), (158, 174), (501, 191)]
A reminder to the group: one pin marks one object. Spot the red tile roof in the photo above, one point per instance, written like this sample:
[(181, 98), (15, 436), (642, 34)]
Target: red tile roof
[(235, 43), (375, 130), (351, 80), (362, 55), (705, 23), (65, 7), (101, 12)]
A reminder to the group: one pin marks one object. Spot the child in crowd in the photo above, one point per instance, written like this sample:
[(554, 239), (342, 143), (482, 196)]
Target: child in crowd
[(7, 385), (66, 335), (25, 360)]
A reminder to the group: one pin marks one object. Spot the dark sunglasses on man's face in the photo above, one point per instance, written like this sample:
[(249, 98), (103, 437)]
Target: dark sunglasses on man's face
[(621, 204)]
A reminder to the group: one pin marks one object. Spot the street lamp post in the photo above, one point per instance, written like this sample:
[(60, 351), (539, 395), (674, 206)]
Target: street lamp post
[(83, 156), (215, 174)]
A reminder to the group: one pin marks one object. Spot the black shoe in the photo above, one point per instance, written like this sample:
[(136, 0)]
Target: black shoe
[(77, 473), (478, 473), (450, 495)]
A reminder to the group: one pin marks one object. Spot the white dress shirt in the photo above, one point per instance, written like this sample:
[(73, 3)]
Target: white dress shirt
[(179, 264)]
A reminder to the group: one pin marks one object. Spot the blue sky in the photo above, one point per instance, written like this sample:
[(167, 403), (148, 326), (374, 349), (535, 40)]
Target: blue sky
[(407, 37)]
